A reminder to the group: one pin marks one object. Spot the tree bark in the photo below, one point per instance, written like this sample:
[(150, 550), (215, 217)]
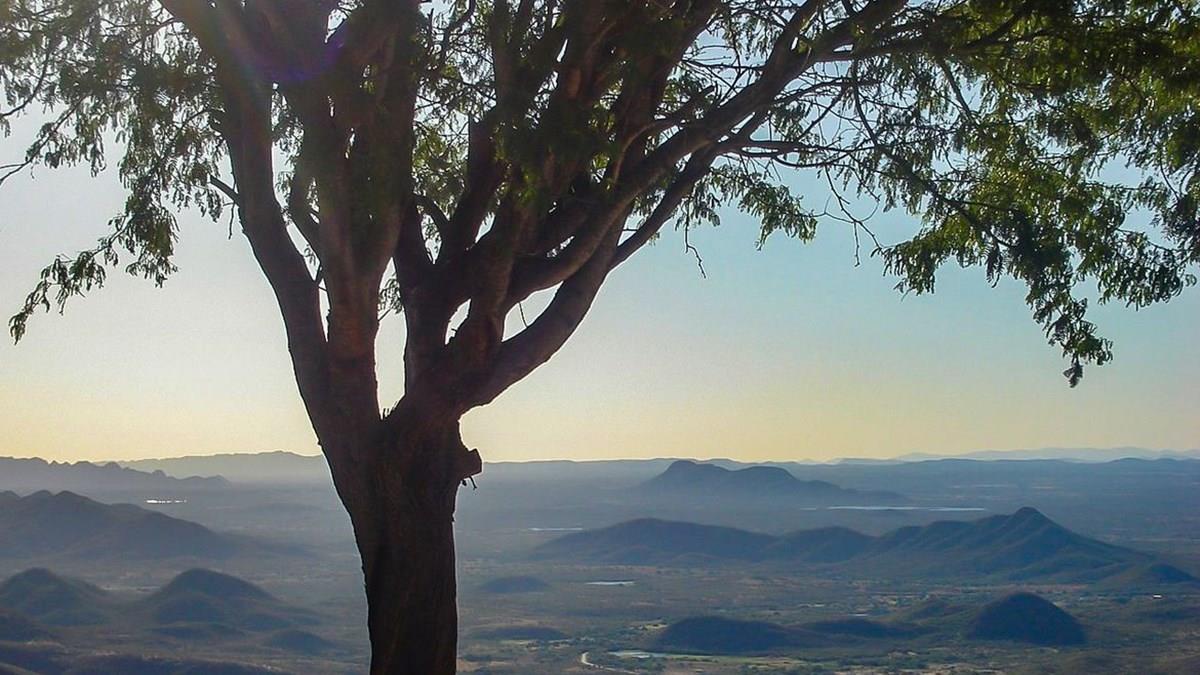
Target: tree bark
[(411, 595), (403, 513)]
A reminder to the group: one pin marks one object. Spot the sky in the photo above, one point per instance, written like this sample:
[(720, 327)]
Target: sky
[(793, 352)]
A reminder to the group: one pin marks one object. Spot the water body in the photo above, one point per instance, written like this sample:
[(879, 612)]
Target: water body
[(939, 509), (619, 582), (638, 654), (166, 501)]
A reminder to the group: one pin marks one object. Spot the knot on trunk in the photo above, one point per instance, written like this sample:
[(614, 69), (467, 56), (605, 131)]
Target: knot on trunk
[(468, 463)]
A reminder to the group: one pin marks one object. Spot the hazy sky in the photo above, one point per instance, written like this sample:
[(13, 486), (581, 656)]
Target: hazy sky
[(787, 353)]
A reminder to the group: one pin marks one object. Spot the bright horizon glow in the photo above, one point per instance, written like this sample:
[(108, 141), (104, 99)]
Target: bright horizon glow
[(789, 353), (715, 458)]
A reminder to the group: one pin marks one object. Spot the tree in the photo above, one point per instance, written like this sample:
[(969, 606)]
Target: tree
[(447, 160)]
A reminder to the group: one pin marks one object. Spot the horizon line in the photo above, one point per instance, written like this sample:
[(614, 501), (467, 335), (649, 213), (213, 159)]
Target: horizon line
[(914, 455)]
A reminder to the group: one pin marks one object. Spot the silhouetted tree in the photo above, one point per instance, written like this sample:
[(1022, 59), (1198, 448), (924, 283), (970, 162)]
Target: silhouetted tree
[(449, 159)]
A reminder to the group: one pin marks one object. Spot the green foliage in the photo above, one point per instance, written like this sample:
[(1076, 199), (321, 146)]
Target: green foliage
[(112, 72), (1051, 142), (1029, 157)]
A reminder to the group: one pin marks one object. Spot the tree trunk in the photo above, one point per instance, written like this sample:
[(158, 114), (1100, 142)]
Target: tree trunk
[(411, 595), (404, 525)]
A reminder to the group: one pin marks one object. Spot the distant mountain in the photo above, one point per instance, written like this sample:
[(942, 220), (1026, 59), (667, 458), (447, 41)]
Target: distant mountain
[(1023, 546), (29, 475), (649, 541), (212, 600), (1025, 617), (1068, 454), (197, 608), (66, 525), (1090, 493), (685, 477), (278, 467), (53, 600), (210, 584), (196, 604)]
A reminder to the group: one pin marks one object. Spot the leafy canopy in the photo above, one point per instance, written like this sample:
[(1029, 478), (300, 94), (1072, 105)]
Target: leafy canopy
[(489, 150)]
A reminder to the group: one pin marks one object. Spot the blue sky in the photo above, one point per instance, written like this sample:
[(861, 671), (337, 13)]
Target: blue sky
[(790, 352)]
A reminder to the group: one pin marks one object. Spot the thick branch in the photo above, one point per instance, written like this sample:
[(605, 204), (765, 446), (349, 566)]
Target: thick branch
[(522, 353), (695, 169)]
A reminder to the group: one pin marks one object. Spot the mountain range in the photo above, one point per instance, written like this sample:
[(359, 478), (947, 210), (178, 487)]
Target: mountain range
[(282, 467), (1065, 454), (29, 475), (695, 479), (64, 525), (1022, 546), (277, 467)]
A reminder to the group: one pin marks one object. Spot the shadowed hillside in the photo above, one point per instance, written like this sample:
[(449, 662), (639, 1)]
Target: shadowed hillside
[(825, 545), (15, 627), (197, 609), (66, 525), (1025, 617), (717, 635), (197, 604), (648, 540), (1154, 575), (213, 602), (300, 642), (1020, 617), (53, 600), (1023, 546)]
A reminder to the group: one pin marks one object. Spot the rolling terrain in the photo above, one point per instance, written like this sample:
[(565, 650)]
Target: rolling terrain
[(199, 610), (883, 585), (66, 525), (1016, 618), (1023, 546)]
